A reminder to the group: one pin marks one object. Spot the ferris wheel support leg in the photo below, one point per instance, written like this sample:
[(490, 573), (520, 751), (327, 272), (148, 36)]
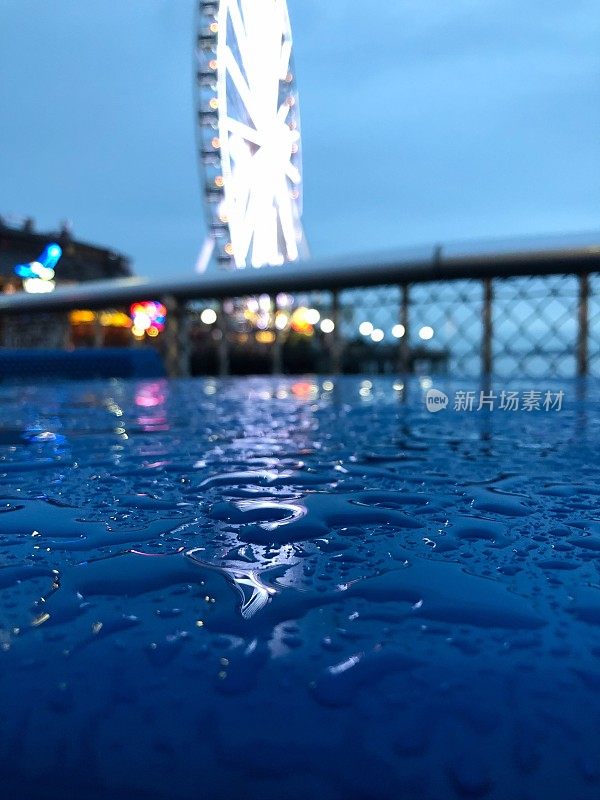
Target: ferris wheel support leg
[(205, 255)]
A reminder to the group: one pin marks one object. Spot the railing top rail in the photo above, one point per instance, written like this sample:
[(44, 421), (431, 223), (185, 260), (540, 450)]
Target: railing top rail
[(419, 266)]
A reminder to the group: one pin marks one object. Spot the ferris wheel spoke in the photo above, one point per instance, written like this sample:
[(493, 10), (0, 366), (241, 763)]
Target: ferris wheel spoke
[(287, 220), (240, 84), (293, 173), (282, 114), (250, 221), (239, 29), (237, 205), (284, 62), (264, 246), (241, 192), (286, 46), (244, 131)]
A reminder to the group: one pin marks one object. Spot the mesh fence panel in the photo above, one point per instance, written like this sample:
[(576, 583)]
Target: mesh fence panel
[(445, 318), (535, 326), (368, 317)]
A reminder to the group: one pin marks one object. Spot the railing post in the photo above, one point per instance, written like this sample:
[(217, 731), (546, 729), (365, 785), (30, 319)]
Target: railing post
[(223, 346), (171, 337), (336, 334), (584, 325), (277, 355), (68, 340), (404, 360), (487, 332), (177, 350), (98, 330)]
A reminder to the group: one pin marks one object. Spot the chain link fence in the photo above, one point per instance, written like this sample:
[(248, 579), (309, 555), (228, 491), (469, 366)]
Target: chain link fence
[(426, 328)]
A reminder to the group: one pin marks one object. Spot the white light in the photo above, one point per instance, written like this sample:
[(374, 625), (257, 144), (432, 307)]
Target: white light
[(142, 321), (377, 335), (40, 271), (365, 328), (208, 316), (398, 331), (328, 386), (312, 316), (281, 321), (426, 333), (264, 302), (283, 300), (38, 286), (327, 326)]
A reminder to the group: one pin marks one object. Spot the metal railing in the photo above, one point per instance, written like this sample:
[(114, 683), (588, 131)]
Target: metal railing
[(521, 311)]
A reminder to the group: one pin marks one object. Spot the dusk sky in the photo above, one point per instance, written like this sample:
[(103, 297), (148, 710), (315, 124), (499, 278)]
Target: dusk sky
[(423, 121)]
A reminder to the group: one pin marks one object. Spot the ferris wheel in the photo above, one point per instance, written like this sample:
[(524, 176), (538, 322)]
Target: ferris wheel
[(249, 132)]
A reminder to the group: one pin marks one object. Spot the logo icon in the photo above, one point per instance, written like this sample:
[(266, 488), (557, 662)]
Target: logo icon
[(436, 401)]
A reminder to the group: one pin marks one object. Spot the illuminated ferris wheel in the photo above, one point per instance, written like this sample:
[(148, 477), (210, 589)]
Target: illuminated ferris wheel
[(249, 132)]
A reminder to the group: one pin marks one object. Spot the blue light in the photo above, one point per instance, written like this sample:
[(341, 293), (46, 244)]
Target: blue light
[(24, 271), (49, 258), (51, 255)]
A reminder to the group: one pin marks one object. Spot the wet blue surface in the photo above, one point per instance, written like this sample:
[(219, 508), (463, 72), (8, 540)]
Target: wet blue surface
[(289, 589)]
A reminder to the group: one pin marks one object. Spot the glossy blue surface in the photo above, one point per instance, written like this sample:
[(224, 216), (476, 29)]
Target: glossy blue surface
[(297, 588)]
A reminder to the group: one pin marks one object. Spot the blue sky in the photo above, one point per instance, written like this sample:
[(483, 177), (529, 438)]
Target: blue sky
[(423, 121)]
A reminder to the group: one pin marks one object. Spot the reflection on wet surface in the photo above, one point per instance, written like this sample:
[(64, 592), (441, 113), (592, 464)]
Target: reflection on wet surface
[(278, 588)]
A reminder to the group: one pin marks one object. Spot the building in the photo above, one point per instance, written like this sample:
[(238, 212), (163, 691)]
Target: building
[(80, 261), (21, 245)]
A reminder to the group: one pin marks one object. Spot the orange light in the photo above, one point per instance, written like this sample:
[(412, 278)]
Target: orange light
[(81, 316), (302, 389), (115, 319), (265, 337), (300, 322)]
